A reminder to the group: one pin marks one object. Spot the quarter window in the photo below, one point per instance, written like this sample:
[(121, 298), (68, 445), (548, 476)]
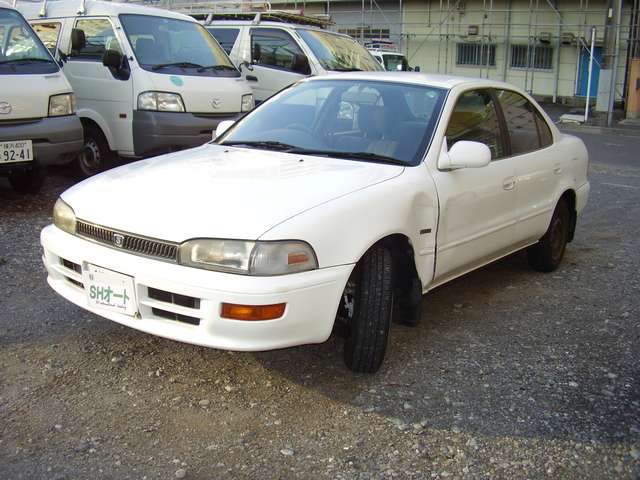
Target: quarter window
[(48, 33), (474, 119), (99, 36), (276, 48), (521, 124), (544, 131)]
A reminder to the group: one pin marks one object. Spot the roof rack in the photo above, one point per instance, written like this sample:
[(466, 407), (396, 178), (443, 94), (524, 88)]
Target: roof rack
[(255, 11)]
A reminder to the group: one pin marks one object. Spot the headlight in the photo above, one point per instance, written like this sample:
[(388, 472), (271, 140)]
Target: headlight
[(64, 217), (160, 102), (247, 103), (63, 104), (249, 258)]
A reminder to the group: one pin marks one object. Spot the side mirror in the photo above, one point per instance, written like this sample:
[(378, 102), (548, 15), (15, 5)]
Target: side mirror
[(464, 154), (112, 59), (78, 40), (416, 68), (301, 64), (223, 127)]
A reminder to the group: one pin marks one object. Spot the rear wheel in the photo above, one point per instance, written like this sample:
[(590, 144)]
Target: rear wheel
[(96, 155), (546, 255), (28, 182), (366, 309)]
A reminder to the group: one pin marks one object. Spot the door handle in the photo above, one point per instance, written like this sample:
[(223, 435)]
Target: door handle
[(509, 183), (557, 170), (251, 78)]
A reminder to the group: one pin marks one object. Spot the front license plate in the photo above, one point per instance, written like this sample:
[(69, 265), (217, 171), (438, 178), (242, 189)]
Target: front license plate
[(16, 151), (109, 290)]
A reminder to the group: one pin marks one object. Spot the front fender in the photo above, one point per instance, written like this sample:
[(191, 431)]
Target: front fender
[(342, 230), (100, 121)]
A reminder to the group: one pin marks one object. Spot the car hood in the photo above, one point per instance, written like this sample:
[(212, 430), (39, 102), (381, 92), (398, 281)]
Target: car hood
[(217, 192)]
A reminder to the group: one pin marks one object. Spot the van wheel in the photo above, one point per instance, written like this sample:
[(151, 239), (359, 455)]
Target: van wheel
[(28, 182), (367, 307), (546, 255), (95, 156)]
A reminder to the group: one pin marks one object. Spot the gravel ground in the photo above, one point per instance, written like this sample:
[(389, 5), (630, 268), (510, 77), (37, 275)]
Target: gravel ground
[(511, 374)]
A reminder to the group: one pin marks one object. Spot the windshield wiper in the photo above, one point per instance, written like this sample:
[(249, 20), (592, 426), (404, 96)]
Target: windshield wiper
[(216, 67), (177, 64), (29, 59), (347, 69), (265, 144), (368, 156)]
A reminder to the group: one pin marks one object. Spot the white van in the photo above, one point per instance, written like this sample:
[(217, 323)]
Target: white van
[(275, 49), (38, 124), (148, 81)]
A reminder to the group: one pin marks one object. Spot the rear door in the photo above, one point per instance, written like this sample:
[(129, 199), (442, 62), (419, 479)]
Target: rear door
[(277, 62), (538, 164)]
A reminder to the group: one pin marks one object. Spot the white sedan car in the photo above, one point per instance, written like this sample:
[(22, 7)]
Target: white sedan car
[(337, 203)]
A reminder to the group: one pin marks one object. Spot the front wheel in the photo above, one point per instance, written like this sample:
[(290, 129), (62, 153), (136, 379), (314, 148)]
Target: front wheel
[(546, 255), (28, 182), (96, 155), (366, 308)]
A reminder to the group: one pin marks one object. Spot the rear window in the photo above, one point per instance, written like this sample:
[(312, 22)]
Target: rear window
[(226, 37)]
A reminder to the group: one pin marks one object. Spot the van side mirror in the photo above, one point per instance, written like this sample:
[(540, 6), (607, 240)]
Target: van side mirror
[(464, 154), (78, 40), (223, 127), (112, 59), (416, 68), (301, 64)]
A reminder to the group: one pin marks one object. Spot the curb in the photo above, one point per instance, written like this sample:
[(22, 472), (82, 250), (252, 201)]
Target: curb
[(629, 132)]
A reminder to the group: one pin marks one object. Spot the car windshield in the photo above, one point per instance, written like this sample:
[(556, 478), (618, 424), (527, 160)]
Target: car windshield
[(21, 51), (394, 63), (386, 122), (169, 45), (338, 52)]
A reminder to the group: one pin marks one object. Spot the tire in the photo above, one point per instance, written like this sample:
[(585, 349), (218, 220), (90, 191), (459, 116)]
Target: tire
[(96, 155), (28, 182), (546, 255), (371, 287), (408, 308)]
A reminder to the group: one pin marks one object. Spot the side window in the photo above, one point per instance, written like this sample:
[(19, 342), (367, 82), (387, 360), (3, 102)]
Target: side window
[(48, 33), (474, 119), (99, 36), (276, 48), (521, 123), (544, 131), (226, 37)]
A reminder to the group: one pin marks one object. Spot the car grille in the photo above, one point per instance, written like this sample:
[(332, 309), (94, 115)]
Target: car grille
[(128, 242)]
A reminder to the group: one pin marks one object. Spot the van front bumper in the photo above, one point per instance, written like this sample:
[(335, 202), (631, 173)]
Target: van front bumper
[(56, 140), (311, 297), (155, 133)]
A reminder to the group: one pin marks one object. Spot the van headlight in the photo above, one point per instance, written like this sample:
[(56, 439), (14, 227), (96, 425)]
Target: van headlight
[(64, 217), (249, 258), (160, 102), (63, 104), (247, 103)]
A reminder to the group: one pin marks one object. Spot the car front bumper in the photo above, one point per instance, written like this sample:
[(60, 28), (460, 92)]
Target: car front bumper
[(155, 133), (312, 297), (56, 140)]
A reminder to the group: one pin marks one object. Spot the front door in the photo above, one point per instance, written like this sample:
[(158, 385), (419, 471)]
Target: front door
[(277, 62), (97, 90), (477, 205)]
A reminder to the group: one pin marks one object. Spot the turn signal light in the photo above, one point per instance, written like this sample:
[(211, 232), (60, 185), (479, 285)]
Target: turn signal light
[(252, 312)]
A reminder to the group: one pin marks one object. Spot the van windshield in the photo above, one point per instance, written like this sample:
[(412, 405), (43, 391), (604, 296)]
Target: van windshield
[(21, 51), (395, 63), (338, 53), (170, 45)]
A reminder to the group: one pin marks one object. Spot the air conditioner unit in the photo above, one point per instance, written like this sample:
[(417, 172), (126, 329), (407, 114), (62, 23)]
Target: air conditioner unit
[(473, 30), (567, 38), (544, 37)]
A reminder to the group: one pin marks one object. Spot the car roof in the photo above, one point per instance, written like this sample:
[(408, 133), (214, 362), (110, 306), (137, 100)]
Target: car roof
[(69, 8), (435, 80), (269, 23)]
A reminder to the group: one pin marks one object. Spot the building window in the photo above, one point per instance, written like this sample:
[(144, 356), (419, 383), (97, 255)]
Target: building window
[(525, 56), (476, 54)]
